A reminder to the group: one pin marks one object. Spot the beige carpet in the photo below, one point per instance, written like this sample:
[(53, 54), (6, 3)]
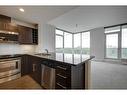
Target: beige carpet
[(25, 82)]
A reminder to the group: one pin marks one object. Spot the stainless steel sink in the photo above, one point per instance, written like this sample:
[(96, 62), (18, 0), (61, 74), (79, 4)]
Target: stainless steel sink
[(43, 54)]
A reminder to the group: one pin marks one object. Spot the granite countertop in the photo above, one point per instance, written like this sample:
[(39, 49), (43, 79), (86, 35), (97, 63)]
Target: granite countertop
[(73, 59), (10, 56)]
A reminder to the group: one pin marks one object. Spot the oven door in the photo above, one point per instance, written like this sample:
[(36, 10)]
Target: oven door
[(9, 67)]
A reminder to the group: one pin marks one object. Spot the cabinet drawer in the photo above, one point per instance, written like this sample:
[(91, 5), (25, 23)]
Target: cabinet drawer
[(63, 66), (62, 72), (59, 86), (63, 81)]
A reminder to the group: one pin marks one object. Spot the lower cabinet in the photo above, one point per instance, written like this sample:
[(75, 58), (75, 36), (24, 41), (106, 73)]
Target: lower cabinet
[(63, 76), (66, 76), (35, 68), (24, 65), (31, 66)]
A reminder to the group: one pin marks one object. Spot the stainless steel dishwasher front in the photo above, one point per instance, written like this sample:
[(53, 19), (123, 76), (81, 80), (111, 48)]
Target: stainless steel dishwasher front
[(48, 77)]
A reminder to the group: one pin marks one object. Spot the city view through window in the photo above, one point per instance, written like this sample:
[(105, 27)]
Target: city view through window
[(78, 43), (116, 45)]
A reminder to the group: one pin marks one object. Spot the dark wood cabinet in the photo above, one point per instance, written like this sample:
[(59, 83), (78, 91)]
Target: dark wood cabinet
[(35, 68), (11, 27), (66, 76), (35, 36), (31, 66), (63, 76), (25, 65), (2, 26), (27, 35), (8, 27), (5, 19)]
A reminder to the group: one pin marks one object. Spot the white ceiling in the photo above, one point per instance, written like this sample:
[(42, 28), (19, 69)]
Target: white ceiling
[(90, 17), (66, 17), (35, 14)]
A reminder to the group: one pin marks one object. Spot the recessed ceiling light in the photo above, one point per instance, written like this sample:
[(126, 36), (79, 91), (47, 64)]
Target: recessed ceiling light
[(21, 9)]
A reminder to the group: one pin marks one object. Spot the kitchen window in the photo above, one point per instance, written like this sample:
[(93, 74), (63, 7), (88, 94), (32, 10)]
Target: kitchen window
[(86, 43), (77, 43), (116, 37), (67, 42), (124, 42), (59, 41)]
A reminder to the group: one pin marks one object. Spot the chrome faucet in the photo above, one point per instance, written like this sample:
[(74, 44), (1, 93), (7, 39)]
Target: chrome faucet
[(47, 51)]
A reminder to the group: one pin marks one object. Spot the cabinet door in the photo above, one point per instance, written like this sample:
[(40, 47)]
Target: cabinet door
[(35, 68), (2, 26), (11, 27), (8, 27), (25, 35), (5, 19), (24, 65)]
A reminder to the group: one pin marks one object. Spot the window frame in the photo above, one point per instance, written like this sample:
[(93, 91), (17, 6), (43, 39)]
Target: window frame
[(62, 37), (119, 43), (72, 39)]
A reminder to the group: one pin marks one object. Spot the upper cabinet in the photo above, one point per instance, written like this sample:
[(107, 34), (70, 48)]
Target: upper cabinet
[(27, 35), (5, 19), (8, 27), (12, 27)]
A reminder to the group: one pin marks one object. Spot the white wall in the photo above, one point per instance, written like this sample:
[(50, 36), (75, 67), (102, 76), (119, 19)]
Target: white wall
[(97, 41), (46, 35)]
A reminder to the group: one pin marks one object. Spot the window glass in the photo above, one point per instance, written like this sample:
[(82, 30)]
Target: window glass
[(59, 43), (112, 46), (124, 41), (77, 46), (86, 43), (67, 42), (59, 32)]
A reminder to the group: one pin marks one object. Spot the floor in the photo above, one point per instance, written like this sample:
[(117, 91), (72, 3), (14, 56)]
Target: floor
[(25, 82), (106, 75)]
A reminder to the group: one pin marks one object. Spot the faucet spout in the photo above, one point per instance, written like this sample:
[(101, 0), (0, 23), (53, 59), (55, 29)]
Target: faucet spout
[(46, 51)]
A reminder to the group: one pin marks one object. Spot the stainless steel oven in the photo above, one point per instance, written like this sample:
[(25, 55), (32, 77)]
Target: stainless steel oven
[(10, 69)]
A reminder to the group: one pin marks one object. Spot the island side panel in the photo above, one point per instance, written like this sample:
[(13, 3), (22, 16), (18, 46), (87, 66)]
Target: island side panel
[(80, 76), (87, 67), (77, 77)]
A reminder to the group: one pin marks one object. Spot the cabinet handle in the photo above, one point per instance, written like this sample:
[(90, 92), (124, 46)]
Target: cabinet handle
[(17, 64), (61, 76), (61, 68), (34, 67), (61, 85)]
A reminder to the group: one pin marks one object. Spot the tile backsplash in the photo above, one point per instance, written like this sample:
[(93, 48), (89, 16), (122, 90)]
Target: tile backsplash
[(16, 49)]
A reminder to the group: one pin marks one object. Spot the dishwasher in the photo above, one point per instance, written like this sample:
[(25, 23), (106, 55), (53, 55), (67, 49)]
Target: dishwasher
[(48, 77)]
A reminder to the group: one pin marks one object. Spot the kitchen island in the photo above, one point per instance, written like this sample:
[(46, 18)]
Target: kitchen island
[(72, 71)]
